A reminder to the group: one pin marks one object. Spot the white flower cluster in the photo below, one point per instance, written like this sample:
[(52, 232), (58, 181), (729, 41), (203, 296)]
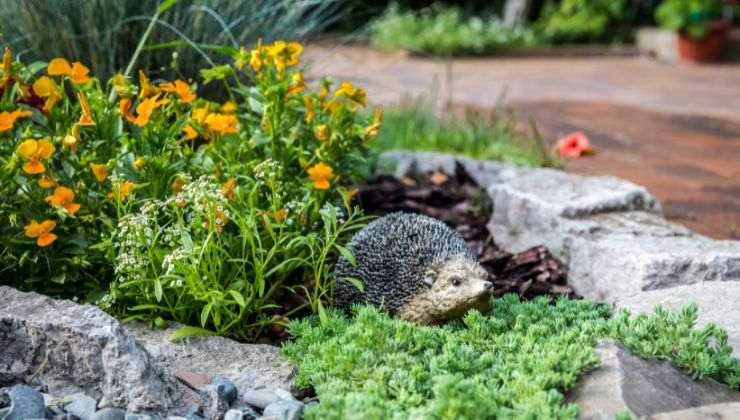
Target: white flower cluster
[(267, 169), (339, 211), (134, 234)]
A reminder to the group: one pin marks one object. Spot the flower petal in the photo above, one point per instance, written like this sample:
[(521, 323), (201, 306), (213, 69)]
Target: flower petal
[(46, 239), (59, 67), (34, 167)]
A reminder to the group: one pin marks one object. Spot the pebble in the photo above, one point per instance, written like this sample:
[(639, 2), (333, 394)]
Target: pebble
[(259, 398), (81, 405), (140, 416), (284, 410), (25, 403), (226, 388), (109, 414)]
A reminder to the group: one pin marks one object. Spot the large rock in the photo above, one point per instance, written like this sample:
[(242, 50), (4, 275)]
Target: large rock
[(75, 348), (723, 411), (627, 383), (248, 366), (718, 303)]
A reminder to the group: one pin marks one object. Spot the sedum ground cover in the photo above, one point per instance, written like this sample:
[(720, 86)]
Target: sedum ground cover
[(515, 362)]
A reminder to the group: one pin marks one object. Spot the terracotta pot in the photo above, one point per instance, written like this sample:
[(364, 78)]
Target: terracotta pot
[(706, 50)]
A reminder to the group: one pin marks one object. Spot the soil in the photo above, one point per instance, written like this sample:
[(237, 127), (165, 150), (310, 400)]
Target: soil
[(463, 205)]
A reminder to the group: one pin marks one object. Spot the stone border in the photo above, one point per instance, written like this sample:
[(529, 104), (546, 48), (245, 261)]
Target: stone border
[(610, 233)]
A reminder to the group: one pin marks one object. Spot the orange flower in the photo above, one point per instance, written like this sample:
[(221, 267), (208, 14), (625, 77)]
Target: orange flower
[(35, 152), (123, 190), (284, 54), (320, 174), (45, 182), (220, 221), (177, 185), (573, 145), (221, 123), (190, 132), (146, 107), (100, 171), (322, 132), (228, 189), (182, 90), (145, 87), (77, 72), (124, 106), (42, 231), (47, 88), (64, 197), (7, 119), (279, 215), (86, 118), (228, 108)]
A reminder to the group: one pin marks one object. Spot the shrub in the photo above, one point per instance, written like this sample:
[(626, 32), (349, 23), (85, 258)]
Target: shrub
[(201, 212), (413, 126), (105, 33), (443, 31), (516, 362), (574, 21), (690, 16)]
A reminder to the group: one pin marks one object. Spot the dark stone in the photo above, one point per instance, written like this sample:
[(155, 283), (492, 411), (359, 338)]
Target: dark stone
[(226, 388)]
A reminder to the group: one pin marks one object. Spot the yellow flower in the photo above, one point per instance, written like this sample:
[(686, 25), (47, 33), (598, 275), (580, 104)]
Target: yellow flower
[(146, 107), (124, 107), (7, 119), (297, 84), (77, 72), (35, 152), (284, 54), (45, 182), (255, 57), (372, 130), (308, 102), (41, 231), (86, 118), (182, 90), (279, 215), (352, 93), (47, 88), (100, 171), (221, 123), (228, 189), (322, 132), (229, 107), (64, 197), (139, 163), (320, 174), (190, 132), (145, 87), (69, 142), (123, 189)]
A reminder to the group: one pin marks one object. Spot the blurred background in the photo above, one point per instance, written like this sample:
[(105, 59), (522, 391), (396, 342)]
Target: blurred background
[(653, 85)]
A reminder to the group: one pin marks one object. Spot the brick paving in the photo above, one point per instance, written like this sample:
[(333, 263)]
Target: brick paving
[(673, 128)]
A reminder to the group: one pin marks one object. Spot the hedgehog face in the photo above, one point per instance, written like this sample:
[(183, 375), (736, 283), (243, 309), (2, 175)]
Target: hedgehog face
[(457, 286)]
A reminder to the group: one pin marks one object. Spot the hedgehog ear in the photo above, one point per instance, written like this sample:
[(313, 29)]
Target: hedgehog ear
[(430, 276)]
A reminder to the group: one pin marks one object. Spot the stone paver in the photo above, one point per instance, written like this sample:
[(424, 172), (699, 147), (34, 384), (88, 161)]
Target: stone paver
[(672, 128)]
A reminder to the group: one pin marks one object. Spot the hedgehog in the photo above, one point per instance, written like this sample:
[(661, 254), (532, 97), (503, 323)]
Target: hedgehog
[(414, 267)]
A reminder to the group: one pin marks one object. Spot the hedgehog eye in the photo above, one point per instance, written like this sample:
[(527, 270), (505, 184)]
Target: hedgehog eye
[(456, 281)]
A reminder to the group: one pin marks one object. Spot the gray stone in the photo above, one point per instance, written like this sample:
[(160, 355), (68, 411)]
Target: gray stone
[(215, 405), (109, 414), (717, 302), (627, 383), (259, 398), (25, 403), (284, 410), (226, 389), (726, 411), (75, 348), (81, 405), (141, 416), (246, 365)]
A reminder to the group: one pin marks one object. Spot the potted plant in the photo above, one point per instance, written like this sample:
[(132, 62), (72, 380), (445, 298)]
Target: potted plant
[(701, 29)]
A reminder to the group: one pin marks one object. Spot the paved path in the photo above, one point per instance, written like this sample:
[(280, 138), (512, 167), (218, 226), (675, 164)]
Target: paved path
[(674, 129)]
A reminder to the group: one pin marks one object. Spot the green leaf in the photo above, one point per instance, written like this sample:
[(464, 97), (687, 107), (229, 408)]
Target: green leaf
[(158, 290), (166, 5), (355, 282), (347, 254), (238, 298), (322, 315), (189, 332)]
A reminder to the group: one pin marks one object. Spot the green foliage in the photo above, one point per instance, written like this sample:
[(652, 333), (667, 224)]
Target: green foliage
[(105, 33), (494, 136), (165, 205), (516, 362), (689, 16), (574, 21), (445, 31)]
